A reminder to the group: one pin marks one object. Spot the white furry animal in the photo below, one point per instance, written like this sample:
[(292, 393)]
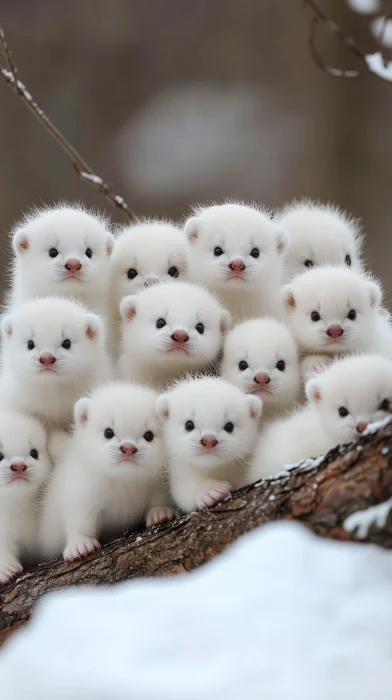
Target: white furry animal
[(349, 395), (145, 254), (111, 476), (260, 357), (210, 432), (332, 310), (320, 234), (24, 468), (62, 251), (168, 331), (53, 353), (238, 251)]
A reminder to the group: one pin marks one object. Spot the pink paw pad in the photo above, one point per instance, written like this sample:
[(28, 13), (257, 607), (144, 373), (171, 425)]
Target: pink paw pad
[(157, 516), (9, 571), (80, 549), (214, 493)]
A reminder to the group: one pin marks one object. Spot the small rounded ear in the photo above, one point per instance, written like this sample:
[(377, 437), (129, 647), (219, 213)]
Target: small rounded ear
[(226, 323), (191, 229), (162, 407), (374, 294), (93, 326), (282, 240), (287, 297), (255, 406), (128, 307), (20, 242), (81, 409), (109, 243), (6, 326), (313, 390)]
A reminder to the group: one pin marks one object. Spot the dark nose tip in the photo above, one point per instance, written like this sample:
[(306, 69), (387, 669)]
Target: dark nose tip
[(47, 359), (180, 336), (18, 467), (73, 265), (334, 331), (361, 427)]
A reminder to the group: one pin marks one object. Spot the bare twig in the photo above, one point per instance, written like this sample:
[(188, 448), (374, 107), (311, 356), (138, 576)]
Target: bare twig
[(83, 169), (319, 17), (387, 16)]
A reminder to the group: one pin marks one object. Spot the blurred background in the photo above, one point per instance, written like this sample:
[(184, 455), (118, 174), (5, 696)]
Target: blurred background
[(174, 102)]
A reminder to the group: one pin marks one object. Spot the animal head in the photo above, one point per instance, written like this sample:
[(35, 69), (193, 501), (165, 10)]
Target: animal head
[(350, 394), (24, 460), (209, 422), (174, 323), (233, 246), (50, 339), (260, 357), (118, 428), (145, 254), (332, 309), (61, 250), (319, 235)]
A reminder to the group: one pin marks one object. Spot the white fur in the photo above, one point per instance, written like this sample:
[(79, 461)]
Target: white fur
[(71, 230), (263, 344), (93, 489), (148, 354), (19, 435), (48, 322), (199, 478), (359, 384), (320, 234), (151, 248), (333, 292), (238, 229)]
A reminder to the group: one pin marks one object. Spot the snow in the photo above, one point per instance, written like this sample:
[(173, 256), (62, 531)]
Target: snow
[(303, 465), (280, 614), (385, 451), (376, 64), (377, 425), (92, 178), (382, 28), (363, 520), (364, 7)]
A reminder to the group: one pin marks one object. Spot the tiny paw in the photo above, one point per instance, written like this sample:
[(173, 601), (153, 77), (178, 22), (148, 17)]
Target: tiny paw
[(9, 569), (212, 492), (80, 547), (315, 364), (159, 515)]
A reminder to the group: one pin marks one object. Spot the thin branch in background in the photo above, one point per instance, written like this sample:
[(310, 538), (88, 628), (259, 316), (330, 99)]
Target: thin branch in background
[(82, 168), (387, 16), (371, 63)]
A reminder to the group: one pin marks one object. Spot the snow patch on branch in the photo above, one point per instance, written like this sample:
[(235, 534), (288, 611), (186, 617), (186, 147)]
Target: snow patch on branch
[(375, 63), (362, 521)]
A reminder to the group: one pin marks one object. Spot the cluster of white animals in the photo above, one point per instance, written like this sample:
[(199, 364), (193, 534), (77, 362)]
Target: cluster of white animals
[(163, 366)]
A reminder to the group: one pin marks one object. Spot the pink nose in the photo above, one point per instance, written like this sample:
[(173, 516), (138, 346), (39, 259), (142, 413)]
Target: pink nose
[(128, 449), (209, 441), (237, 264), (180, 336), (335, 331), (18, 467), (262, 378), (361, 427), (73, 265), (47, 359)]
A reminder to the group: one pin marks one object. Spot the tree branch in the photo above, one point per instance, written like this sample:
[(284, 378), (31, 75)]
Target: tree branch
[(320, 496), (82, 168)]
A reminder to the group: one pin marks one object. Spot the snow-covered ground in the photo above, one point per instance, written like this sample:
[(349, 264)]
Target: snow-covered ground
[(282, 614)]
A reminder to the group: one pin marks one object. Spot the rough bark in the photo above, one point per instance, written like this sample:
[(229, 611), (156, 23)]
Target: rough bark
[(321, 497)]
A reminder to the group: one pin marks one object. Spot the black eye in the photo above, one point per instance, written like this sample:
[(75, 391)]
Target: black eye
[(161, 323), (34, 454), (189, 426), (132, 273), (1, 456), (343, 412), (218, 251), (89, 252), (243, 365), (229, 427), (200, 328), (352, 315), (53, 252), (255, 253), (348, 260), (384, 406), (148, 436), (31, 345), (315, 316), (281, 365), (109, 434), (309, 263), (173, 272), (66, 344)]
